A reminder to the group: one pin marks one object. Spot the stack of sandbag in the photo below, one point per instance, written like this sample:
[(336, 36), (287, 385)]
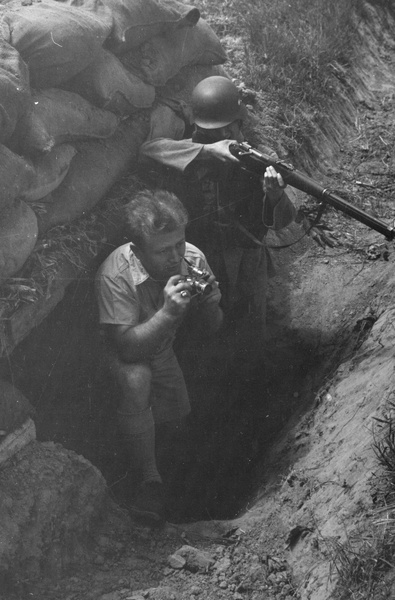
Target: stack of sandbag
[(82, 84)]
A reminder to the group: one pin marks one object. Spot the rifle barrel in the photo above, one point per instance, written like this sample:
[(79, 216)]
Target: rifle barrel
[(304, 183)]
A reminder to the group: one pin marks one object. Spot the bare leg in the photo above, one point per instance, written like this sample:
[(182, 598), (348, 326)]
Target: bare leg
[(135, 418)]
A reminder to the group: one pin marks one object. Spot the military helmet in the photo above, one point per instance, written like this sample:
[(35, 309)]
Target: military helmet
[(216, 103)]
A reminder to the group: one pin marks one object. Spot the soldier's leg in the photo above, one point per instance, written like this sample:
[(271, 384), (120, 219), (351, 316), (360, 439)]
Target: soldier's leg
[(252, 282), (170, 405)]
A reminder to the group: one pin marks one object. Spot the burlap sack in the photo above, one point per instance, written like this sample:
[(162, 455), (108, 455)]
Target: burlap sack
[(165, 123), (178, 90), (107, 84), (64, 117), (15, 98), (49, 171), (138, 21), (18, 235), (55, 40), (162, 57), (182, 85), (31, 135), (93, 171), (14, 408), (16, 175)]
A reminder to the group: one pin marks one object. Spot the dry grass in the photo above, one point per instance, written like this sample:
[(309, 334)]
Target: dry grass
[(293, 53), (364, 564), (360, 564), (77, 244)]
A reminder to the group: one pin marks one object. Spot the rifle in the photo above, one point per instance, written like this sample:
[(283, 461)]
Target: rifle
[(255, 161)]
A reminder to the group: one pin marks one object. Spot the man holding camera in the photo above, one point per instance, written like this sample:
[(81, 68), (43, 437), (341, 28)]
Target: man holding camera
[(145, 290)]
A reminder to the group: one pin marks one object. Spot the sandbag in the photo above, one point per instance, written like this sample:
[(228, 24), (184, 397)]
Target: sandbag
[(92, 173), (183, 84), (15, 98), (162, 57), (18, 235), (55, 40), (14, 408), (49, 171), (64, 117), (16, 175), (165, 123), (31, 135), (178, 90), (139, 20), (107, 84)]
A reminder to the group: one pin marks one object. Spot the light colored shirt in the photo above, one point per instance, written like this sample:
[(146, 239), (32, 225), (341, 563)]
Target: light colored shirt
[(127, 295)]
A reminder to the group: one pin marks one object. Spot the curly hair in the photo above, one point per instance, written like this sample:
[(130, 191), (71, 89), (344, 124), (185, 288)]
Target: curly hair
[(154, 211)]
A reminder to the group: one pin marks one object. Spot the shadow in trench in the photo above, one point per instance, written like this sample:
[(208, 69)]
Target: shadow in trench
[(242, 395)]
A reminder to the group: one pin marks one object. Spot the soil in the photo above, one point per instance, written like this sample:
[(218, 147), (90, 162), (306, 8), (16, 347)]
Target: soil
[(280, 477)]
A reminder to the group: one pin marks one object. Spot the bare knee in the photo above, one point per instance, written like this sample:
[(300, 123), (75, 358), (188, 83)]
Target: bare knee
[(135, 383)]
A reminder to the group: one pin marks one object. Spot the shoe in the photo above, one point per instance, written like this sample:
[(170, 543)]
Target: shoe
[(149, 503)]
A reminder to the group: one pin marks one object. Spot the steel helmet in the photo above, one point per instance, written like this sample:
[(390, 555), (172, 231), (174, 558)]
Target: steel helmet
[(216, 103)]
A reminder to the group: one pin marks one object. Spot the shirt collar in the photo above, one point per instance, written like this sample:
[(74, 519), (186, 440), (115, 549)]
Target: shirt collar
[(139, 273)]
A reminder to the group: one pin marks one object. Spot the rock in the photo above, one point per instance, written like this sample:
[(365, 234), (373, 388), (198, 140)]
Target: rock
[(196, 560), (221, 566), (110, 596), (162, 593), (176, 561), (48, 495)]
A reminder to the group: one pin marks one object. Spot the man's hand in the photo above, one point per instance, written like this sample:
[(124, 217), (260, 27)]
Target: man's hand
[(177, 296), (210, 315), (214, 296), (219, 151), (273, 184)]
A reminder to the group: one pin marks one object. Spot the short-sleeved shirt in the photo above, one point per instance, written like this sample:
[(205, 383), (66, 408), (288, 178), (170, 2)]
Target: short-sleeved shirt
[(126, 293)]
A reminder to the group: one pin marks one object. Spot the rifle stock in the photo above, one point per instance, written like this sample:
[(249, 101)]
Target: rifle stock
[(255, 161)]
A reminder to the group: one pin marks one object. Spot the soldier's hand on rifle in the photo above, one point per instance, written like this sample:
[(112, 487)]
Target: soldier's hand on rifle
[(273, 184), (219, 151)]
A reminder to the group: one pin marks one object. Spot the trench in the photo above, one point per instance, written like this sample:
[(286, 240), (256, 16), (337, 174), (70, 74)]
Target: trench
[(243, 391)]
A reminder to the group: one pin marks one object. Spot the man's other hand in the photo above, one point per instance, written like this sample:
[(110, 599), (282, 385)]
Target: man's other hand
[(177, 296), (273, 184), (214, 296)]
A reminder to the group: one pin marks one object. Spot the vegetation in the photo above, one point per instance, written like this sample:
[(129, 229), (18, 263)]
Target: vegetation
[(294, 54), (364, 562)]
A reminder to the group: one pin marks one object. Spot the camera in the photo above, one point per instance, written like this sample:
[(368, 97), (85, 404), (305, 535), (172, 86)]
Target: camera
[(197, 278)]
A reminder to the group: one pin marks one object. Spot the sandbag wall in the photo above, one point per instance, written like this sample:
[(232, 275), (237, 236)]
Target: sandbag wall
[(82, 84)]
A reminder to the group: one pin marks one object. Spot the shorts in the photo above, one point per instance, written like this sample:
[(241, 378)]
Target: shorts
[(169, 399), (169, 395)]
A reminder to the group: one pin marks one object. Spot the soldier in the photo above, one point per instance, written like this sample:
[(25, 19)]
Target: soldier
[(230, 210)]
